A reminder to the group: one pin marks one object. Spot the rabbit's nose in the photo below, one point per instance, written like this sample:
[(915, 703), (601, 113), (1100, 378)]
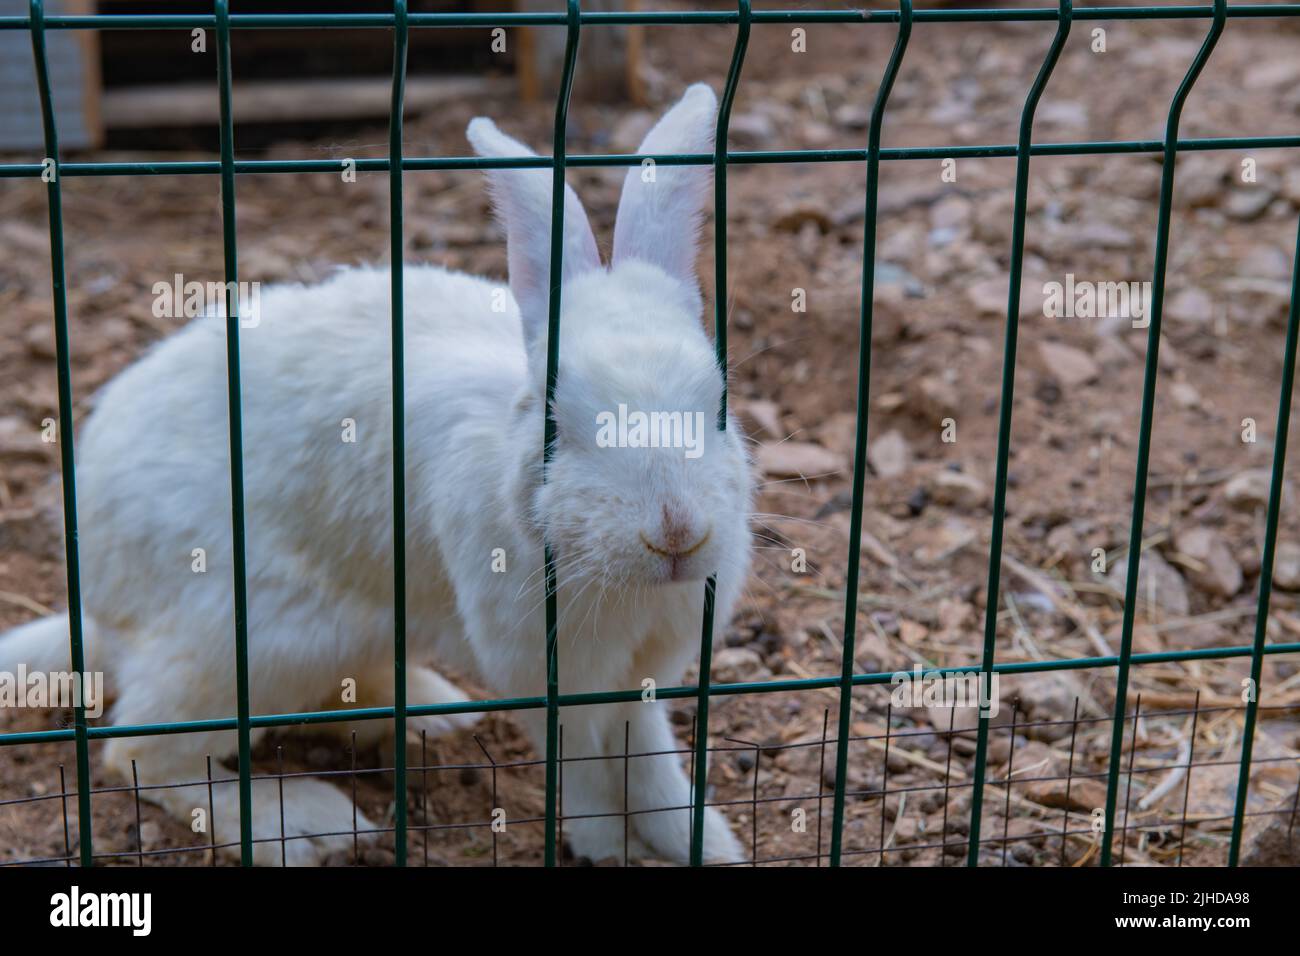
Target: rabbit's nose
[(678, 535)]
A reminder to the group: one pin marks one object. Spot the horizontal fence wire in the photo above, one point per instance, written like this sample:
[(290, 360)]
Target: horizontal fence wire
[(352, 21), (733, 158), (401, 21), (506, 705)]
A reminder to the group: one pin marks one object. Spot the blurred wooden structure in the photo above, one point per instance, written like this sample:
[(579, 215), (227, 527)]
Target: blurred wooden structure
[(74, 76), (140, 80), (608, 57)]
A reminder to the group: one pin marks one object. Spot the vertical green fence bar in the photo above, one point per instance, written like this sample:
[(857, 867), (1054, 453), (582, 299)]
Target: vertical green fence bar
[(552, 370), (396, 245), (1266, 562), (1148, 411), (231, 254), (699, 785), (699, 762), (1065, 15), (720, 201), (59, 289), (865, 317)]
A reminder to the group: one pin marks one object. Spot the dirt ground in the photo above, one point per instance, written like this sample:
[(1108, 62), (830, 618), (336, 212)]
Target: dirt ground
[(943, 254)]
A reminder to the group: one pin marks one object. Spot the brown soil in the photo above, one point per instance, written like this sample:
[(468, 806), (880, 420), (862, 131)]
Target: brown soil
[(943, 255)]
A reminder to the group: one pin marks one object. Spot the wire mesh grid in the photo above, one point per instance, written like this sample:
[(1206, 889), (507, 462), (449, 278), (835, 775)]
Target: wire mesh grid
[(573, 19), (1042, 811)]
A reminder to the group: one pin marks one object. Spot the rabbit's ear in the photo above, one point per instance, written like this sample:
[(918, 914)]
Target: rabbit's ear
[(659, 214), (522, 199)]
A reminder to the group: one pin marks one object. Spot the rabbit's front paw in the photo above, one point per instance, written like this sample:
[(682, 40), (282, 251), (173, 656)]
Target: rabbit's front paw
[(669, 836), (314, 821), (423, 686), (720, 844), (602, 839), (430, 726)]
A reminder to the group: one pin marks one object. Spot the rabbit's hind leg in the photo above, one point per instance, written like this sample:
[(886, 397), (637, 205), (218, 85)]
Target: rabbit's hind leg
[(423, 686), (297, 820)]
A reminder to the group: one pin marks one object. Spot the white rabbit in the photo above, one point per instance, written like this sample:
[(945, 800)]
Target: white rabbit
[(635, 530)]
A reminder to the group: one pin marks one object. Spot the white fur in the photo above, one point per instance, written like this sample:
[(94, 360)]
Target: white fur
[(153, 472), (652, 223)]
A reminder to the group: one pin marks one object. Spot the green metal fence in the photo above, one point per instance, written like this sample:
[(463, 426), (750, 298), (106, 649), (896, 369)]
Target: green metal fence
[(400, 22)]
